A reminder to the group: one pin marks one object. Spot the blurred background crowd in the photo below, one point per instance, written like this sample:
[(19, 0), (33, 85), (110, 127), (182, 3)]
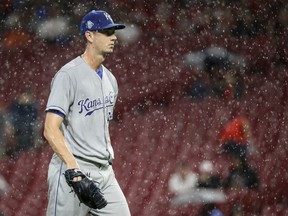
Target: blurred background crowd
[(203, 92), (59, 20)]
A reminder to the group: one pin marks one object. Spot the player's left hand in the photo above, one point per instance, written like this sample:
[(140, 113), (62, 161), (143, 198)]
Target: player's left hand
[(85, 188)]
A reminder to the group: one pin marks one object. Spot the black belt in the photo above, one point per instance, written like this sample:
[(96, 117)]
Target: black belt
[(92, 162)]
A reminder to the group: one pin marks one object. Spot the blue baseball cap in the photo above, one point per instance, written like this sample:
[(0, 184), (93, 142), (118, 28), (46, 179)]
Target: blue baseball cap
[(98, 20)]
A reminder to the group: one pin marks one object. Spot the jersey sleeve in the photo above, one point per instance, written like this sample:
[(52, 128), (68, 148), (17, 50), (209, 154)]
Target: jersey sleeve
[(61, 93)]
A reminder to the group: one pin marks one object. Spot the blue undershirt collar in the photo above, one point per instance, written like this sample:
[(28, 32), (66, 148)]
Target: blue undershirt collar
[(100, 72)]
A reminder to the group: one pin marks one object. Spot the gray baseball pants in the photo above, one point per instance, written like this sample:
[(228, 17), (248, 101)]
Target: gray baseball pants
[(63, 202)]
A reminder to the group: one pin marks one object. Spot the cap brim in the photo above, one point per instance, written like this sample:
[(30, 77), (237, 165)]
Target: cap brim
[(112, 25), (115, 25)]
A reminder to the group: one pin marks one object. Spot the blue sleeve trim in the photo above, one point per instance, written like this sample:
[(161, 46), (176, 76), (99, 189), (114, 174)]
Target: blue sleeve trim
[(55, 108), (57, 112)]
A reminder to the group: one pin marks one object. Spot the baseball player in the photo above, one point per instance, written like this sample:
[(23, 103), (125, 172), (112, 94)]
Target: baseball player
[(79, 108)]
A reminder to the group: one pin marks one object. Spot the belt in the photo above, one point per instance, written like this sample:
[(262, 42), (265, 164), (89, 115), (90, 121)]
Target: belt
[(99, 165)]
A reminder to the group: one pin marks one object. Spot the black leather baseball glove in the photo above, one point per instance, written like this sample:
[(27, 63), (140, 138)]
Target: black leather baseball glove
[(86, 189)]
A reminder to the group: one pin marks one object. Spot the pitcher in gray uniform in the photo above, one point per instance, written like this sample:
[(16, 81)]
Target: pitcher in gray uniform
[(79, 108)]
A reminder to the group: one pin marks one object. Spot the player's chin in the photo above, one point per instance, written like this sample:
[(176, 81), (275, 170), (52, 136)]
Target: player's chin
[(110, 50)]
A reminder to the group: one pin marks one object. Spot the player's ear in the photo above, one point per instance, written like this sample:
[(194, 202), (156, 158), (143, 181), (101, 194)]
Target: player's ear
[(89, 36)]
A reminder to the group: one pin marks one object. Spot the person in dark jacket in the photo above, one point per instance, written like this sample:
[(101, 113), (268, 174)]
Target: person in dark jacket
[(241, 175)]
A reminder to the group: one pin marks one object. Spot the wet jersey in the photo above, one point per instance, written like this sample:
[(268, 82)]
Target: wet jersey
[(87, 101)]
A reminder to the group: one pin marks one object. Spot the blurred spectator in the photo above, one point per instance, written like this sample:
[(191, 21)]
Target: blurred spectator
[(210, 209), (219, 73), (130, 34), (23, 114), (217, 82), (214, 58), (183, 180), (208, 178), (235, 87), (236, 137), (200, 87), (223, 84), (241, 175), (56, 27), (16, 32)]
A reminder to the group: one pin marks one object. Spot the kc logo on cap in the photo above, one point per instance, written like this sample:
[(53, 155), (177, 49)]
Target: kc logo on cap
[(98, 20), (108, 17)]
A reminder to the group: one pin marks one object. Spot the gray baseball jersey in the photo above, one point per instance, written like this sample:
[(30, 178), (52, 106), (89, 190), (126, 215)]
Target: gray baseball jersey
[(87, 101)]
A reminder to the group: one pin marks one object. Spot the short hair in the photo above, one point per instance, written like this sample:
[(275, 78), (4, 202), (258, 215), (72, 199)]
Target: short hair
[(84, 38)]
